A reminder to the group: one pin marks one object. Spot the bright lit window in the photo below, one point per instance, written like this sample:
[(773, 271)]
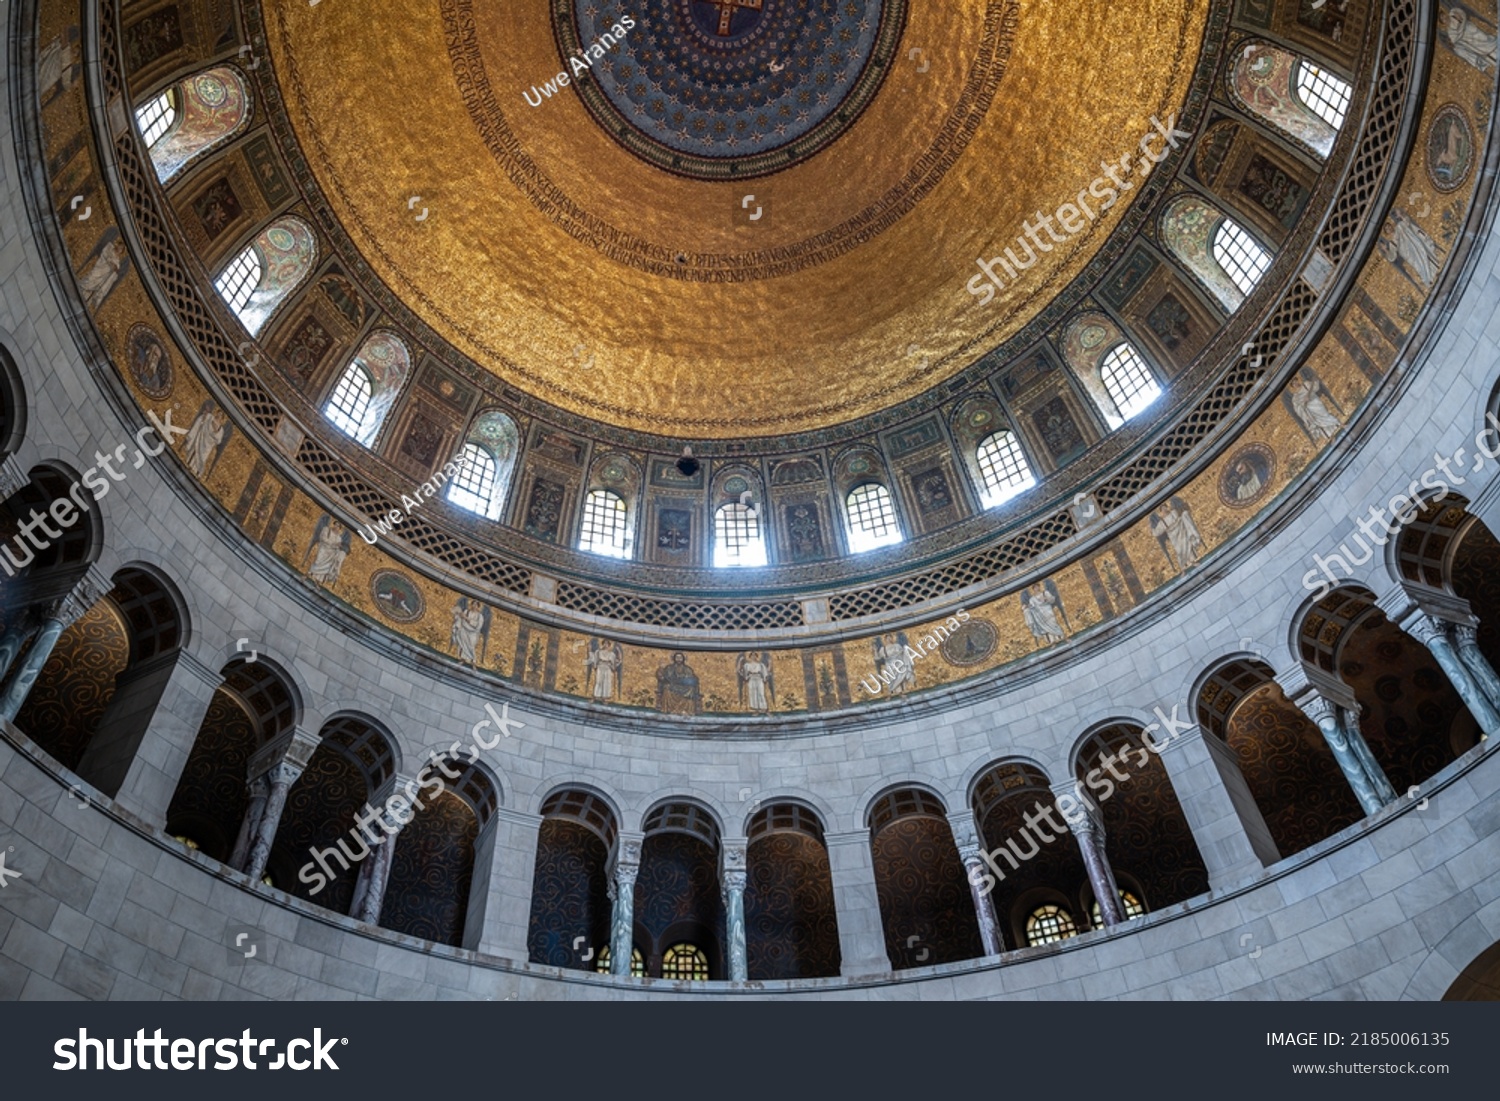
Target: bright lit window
[(684, 961), (473, 487), (604, 525), (872, 518), (637, 964), (1240, 255), (737, 537), (1128, 902), (1049, 924), (1128, 380), (238, 281), (1325, 94), (155, 117), (1003, 466), (350, 403)]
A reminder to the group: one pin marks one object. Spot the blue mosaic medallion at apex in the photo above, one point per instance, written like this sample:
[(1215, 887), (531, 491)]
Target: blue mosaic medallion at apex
[(728, 89)]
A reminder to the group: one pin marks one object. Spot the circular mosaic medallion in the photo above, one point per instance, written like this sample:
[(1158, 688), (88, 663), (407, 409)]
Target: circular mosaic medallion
[(1450, 148), (971, 644), (1247, 476), (397, 596), (150, 365), (728, 89)]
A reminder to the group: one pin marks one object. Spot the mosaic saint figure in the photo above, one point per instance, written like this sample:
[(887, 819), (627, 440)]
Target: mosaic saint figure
[(327, 550), (677, 687), (471, 631), (1174, 528), (1041, 607), (604, 664), (205, 439), (757, 683), (1308, 400)]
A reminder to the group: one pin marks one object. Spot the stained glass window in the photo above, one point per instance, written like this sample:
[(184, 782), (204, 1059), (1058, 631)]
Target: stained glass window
[(684, 961), (1128, 902), (637, 963), (1049, 924)]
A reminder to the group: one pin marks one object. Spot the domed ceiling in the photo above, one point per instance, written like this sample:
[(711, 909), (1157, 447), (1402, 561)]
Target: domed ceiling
[(737, 218)]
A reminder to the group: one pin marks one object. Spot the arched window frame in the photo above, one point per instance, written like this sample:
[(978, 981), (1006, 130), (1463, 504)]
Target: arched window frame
[(1003, 467), (870, 517), (349, 406), (1049, 923), (203, 122), (1323, 93), (1137, 389), (739, 537), (605, 529), (1244, 259), (684, 962), (1130, 905), (473, 487), (241, 277), (637, 962), (157, 116)]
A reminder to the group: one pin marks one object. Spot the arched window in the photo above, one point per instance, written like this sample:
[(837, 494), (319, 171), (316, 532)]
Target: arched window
[(1290, 94), (1049, 924), (473, 487), (637, 963), (1128, 902), (872, 518), (1128, 380), (238, 281), (485, 465), (1240, 255), (368, 387), (193, 117), (684, 961), (737, 536), (349, 406), (155, 117), (267, 270), (1003, 466), (1324, 94), (605, 525)]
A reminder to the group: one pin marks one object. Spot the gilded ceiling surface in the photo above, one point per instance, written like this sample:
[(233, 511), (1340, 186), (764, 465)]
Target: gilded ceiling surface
[(556, 236)]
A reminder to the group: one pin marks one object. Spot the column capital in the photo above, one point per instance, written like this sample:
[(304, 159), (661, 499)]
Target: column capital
[(732, 852), (74, 604), (1084, 818), (627, 863), (12, 478), (965, 832), (1405, 601), (293, 749), (1300, 683)]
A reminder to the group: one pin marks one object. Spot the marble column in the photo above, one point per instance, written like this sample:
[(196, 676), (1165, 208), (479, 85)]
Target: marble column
[(260, 789), (981, 883), (282, 776), (1325, 714), (1087, 824), (1349, 718), (622, 891), (733, 876), (375, 872), (56, 617), (15, 636), (1466, 636), (1428, 630)]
